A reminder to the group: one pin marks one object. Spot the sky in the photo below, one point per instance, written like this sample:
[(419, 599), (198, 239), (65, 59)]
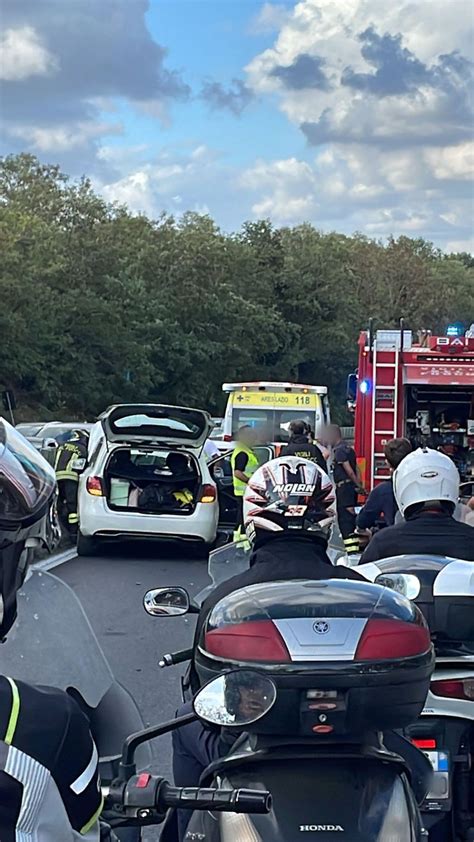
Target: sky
[(354, 115)]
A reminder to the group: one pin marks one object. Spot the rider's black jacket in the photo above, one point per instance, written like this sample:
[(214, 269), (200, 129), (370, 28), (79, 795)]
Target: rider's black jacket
[(279, 559), (433, 532), (49, 783), (300, 446)]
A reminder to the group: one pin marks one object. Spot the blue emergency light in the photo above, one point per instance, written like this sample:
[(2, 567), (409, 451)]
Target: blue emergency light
[(364, 387), (455, 329)]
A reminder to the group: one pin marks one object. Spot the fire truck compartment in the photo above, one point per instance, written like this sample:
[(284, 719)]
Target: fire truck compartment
[(442, 417)]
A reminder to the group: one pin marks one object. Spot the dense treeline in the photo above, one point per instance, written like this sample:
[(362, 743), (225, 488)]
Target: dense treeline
[(99, 305)]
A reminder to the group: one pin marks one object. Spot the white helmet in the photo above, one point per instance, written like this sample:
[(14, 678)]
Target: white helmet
[(425, 475), (288, 493)]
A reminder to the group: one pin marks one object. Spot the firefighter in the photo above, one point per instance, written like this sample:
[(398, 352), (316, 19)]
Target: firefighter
[(67, 456), (348, 486), (301, 445), (244, 463)]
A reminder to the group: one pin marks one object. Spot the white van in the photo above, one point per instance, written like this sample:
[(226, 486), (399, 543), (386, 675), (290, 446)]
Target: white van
[(271, 407)]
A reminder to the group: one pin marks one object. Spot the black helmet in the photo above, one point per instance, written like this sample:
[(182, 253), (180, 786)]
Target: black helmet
[(27, 505)]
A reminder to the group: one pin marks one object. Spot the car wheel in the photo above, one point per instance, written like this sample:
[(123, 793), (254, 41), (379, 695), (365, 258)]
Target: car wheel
[(86, 545)]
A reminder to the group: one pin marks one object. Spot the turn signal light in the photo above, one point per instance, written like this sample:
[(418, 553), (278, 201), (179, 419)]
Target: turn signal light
[(94, 486), (383, 639), (208, 494), (457, 688), (257, 640)]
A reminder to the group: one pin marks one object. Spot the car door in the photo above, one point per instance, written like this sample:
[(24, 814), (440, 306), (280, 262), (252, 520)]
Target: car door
[(221, 472)]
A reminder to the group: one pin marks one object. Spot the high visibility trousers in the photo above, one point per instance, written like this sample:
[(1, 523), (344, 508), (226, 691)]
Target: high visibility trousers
[(68, 489), (239, 531), (346, 499)]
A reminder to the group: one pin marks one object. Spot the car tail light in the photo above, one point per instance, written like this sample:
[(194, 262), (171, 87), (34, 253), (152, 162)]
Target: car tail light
[(208, 494), (456, 688), (425, 745), (383, 639), (94, 486), (227, 437), (257, 640)]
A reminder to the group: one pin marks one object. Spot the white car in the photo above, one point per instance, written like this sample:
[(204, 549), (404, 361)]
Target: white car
[(147, 477)]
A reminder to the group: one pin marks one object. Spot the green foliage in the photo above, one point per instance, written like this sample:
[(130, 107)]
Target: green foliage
[(100, 306)]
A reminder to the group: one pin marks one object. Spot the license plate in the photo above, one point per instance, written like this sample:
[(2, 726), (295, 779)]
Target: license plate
[(439, 760), (440, 789)]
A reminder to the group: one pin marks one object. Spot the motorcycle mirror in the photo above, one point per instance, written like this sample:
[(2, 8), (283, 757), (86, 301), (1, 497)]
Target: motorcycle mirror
[(404, 583), (235, 699), (166, 602)]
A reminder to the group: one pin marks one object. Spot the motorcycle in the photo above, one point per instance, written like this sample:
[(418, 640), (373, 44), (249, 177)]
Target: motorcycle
[(317, 746), (52, 643), (443, 589), (144, 799)]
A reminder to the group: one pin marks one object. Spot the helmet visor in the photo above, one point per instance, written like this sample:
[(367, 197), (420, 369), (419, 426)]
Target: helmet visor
[(27, 480)]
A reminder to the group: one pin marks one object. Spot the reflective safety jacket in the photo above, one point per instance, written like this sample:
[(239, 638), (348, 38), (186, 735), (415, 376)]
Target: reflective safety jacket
[(65, 457), (49, 781), (251, 467)]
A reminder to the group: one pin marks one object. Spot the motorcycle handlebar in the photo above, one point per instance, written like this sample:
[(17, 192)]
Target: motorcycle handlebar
[(215, 800), (172, 658)]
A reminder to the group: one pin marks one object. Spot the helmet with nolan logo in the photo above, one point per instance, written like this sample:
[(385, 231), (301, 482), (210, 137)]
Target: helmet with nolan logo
[(426, 476), (291, 494)]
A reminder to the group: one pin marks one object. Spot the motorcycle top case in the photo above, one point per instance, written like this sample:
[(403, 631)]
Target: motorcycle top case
[(446, 598), (346, 656)]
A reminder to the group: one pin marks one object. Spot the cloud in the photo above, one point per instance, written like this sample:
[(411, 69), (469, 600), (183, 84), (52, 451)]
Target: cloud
[(23, 55), (84, 53), (236, 97), (305, 72), (287, 189), (174, 181), (386, 78), (389, 124), (397, 70), (271, 17)]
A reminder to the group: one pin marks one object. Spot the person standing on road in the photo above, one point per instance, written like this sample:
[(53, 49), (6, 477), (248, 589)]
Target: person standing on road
[(244, 462), (381, 500), (301, 446), (67, 456), (347, 482)]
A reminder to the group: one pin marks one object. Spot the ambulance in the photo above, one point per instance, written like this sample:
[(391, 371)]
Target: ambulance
[(271, 407)]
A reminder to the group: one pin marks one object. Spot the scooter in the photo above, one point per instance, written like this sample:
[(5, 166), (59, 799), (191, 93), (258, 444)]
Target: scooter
[(315, 740), (140, 800), (53, 643), (443, 589)]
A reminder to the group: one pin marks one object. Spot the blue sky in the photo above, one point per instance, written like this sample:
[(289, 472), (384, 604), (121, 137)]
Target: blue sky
[(350, 114)]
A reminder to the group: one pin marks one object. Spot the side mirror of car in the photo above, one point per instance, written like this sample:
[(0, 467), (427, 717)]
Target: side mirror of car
[(166, 602), (78, 465), (49, 443)]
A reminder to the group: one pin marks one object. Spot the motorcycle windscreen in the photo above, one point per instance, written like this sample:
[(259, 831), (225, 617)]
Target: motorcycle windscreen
[(224, 563), (52, 642)]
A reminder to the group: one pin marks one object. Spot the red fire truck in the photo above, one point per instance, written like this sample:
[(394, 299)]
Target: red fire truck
[(420, 387)]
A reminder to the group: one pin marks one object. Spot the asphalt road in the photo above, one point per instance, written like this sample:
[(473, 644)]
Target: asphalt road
[(111, 589)]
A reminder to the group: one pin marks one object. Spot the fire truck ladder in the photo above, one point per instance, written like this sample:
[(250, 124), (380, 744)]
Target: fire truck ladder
[(386, 367)]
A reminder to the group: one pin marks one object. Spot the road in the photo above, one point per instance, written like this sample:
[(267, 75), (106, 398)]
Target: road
[(111, 589)]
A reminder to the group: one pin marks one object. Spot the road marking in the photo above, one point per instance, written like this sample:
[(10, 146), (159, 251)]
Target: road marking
[(54, 560)]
